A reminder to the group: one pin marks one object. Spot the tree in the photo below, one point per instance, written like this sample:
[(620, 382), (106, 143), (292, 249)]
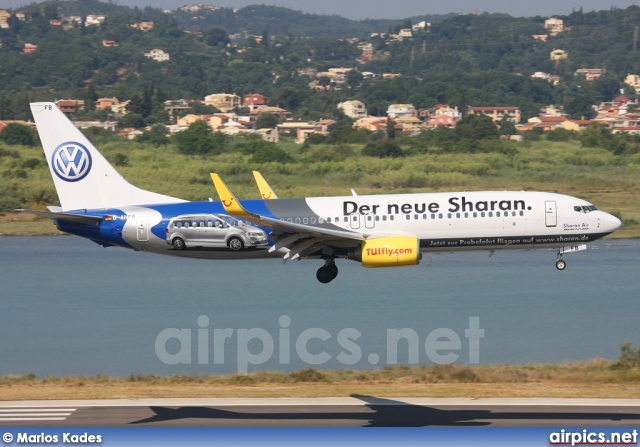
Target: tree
[(270, 153), (507, 127), (595, 135), (476, 127), (580, 106), (156, 136), (383, 149), (134, 120), (391, 128), (16, 133), (90, 98), (198, 139), (266, 120), (217, 37), (354, 78)]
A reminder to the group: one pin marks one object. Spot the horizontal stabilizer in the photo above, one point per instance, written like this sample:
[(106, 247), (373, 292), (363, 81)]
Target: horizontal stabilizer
[(76, 218)]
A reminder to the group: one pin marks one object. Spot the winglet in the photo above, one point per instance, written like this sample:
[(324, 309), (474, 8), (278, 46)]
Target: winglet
[(229, 201), (265, 190)]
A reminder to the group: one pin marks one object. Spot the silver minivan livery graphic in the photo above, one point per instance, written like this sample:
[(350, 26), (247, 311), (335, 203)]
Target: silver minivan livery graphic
[(213, 231)]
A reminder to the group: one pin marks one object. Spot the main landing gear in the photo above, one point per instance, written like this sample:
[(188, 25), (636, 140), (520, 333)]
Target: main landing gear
[(328, 272)]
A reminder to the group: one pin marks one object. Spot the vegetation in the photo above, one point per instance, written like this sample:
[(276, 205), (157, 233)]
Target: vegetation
[(461, 60), (596, 378), (607, 177)]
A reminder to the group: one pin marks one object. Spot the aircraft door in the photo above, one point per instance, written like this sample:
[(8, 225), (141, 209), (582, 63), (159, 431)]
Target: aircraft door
[(143, 229), (369, 220), (550, 213), (354, 219)]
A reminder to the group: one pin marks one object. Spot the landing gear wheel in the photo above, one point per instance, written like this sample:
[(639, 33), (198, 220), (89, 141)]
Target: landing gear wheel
[(560, 264), (334, 269), (327, 273), (235, 244), (324, 275), (178, 244)]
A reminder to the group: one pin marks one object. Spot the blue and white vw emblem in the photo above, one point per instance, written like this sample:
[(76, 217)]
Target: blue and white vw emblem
[(71, 161)]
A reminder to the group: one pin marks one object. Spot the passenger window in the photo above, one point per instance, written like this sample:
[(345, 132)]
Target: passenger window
[(433, 216), (384, 218), (490, 214), (346, 219), (513, 213), (313, 220), (369, 218), (498, 214), (305, 220), (482, 214), (289, 220), (475, 215), (377, 218), (391, 217), (408, 217), (457, 215), (522, 213), (424, 216), (466, 215), (440, 216), (328, 220), (297, 220)]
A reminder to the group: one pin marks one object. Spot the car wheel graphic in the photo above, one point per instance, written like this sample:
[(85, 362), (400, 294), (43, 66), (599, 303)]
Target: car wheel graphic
[(178, 244), (235, 244)]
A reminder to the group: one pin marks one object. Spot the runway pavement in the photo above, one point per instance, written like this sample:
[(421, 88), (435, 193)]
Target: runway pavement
[(355, 411)]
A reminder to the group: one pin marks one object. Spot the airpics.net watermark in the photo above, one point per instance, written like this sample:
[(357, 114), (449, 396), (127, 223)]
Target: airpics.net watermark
[(257, 346)]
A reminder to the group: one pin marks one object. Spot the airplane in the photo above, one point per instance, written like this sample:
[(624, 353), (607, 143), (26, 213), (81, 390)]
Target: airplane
[(390, 230)]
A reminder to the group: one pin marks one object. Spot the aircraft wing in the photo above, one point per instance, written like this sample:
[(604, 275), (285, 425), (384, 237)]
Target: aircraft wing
[(76, 218), (265, 190), (233, 206), (300, 240)]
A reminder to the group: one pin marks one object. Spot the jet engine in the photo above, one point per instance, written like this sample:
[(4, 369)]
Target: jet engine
[(392, 251)]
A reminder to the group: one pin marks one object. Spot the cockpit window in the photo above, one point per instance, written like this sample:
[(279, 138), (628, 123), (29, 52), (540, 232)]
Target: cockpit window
[(585, 209)]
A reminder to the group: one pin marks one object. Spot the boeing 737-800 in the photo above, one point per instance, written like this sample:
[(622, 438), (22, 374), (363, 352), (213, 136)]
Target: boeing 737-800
[(375, 230)]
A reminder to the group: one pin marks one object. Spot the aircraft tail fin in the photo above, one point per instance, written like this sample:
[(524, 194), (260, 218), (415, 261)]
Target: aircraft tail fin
[(83, 178)]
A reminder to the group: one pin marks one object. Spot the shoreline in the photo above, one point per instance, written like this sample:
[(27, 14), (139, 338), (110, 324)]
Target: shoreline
[(593, 379)]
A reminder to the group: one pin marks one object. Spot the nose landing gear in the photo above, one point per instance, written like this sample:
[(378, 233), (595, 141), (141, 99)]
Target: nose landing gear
[(328, 272), (560, 263)]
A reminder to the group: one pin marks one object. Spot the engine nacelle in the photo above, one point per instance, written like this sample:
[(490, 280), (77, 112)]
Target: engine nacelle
[(392, 251)]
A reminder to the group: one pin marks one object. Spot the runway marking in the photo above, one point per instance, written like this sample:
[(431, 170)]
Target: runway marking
[(34, 414)]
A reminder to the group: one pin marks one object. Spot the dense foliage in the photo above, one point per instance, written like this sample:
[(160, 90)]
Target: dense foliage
[(461, 60)]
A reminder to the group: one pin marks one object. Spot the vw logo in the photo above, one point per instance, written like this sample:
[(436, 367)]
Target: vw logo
[(71, 161)]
